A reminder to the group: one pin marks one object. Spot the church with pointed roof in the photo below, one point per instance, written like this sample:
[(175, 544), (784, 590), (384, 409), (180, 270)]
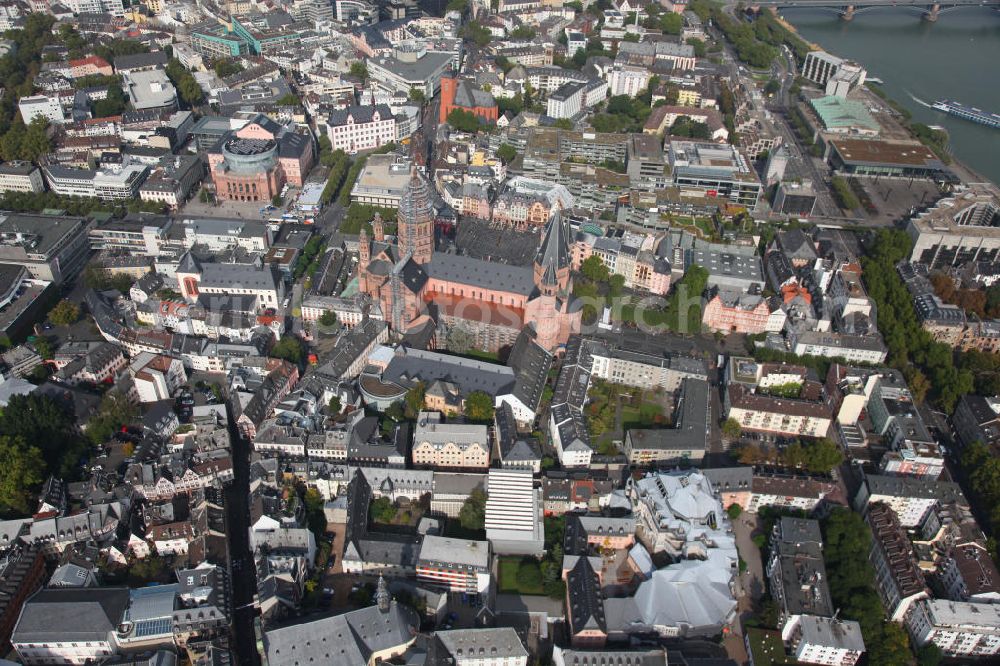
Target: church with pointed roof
[(419, 287)]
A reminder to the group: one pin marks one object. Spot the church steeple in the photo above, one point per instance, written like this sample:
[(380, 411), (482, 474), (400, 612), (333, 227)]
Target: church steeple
[(382, 596), (552, 261), (415, 219)]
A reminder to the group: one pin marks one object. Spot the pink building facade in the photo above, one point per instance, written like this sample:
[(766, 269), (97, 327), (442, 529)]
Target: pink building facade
[(741, 317)]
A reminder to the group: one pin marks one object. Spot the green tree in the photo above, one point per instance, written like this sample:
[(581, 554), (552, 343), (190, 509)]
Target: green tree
[(64, 313), (417, 95), (276, 201), (360, 70), (507, 153), (289, 348), (479, 407), (929, 655), (699, 47), (312, 500), (43, 422), (113, 105), (291, 99), (414, 400), (35, 142), (460, 6), (846, 198), (463, 121), (823, 455), (396, 411), (225, 67), (334, 405), (734, 511), (594, 269), (328, 318), (115, 411), (472, 515), (44, 347), (382, 510), (731, 429), (477, 33), (21, 469)]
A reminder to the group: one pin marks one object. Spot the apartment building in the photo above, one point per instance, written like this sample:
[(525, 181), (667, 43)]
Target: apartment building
[(460, 565), (826, 641), (962, 630), (156, 377), (567, 100), (686, 441), (483, 647), (771, 415), (450, 445), (911, 498), (898, 579), (796, 572)]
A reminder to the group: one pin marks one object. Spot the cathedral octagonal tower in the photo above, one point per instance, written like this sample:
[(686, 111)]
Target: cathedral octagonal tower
[(415, 228)]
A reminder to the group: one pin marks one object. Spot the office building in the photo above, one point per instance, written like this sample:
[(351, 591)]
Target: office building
[(567, 100), (958, 229), (120, 182), (40, 106), (51, 248), (410, 66), (18, 176), (461, 565), (714, 170), (514, 513)]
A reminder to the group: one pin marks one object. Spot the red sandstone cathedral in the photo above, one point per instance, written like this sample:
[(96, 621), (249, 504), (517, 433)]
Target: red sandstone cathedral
[(418, 287)]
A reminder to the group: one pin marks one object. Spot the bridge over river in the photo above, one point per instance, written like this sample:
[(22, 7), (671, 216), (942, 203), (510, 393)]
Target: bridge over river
[(848, 8)]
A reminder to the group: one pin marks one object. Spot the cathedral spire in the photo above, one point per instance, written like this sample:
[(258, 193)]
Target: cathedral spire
[(552, 262), (382, 596)]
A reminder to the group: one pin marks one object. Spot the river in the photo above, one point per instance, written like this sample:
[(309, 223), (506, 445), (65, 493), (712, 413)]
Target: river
[(956, 58)]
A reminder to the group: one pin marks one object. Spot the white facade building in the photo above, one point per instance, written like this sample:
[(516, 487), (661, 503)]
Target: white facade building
[(361, 128), (513, 512), (40, 106), (823, 640), (18, 176), (628, 80), (567, 101), (156, 377), (961, 629), (119, 183)]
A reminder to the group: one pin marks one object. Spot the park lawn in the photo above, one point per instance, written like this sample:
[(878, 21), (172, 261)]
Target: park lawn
[(508, 578), (767, 649), (643, 416)]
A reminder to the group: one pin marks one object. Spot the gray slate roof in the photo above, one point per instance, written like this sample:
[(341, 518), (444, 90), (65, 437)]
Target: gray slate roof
[(68, 614)]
